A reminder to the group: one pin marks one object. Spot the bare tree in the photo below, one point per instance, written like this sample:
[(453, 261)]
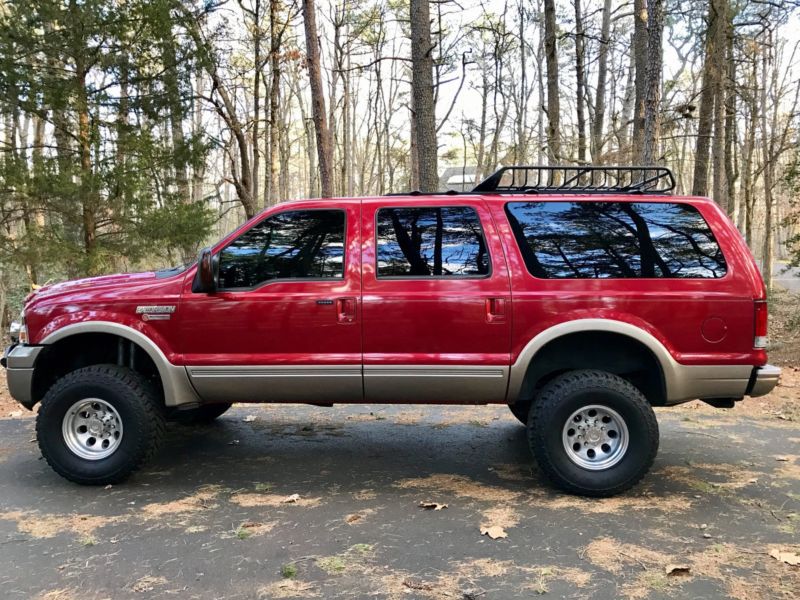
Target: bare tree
[(652, 98), (602, 77), (323, 134), (553, 104), (423, 107)]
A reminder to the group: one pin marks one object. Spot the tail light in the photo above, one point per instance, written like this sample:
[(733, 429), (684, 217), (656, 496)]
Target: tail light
[(760, 339)]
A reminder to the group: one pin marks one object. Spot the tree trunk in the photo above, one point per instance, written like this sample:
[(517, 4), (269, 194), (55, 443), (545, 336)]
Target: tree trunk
[(580, 79), (422, 92), (652, 98), (602, 77), (255, 133), (553, 106), (323, 134), (88, 216), (276, 34), (714, 59), (640, 51)]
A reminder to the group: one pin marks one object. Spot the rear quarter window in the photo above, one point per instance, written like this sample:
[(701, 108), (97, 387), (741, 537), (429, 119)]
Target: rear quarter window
[(622, 240)]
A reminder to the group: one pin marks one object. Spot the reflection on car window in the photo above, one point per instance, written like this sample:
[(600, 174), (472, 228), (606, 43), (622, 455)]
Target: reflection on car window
[(596, 240), (431, 242), (298, 244)]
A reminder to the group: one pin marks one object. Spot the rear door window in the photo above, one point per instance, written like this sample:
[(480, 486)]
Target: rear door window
[(420, 242), (625, 240)]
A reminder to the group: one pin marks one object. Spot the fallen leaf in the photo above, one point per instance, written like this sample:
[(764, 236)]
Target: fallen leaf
[(782, 458), (350, 519), (291, 499), (249, 418), (15, 413), (790, 558), (494, 532), (677, 569), (233, 443), (432, 505)]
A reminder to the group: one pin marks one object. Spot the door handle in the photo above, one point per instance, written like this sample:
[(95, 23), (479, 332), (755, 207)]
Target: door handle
[(345, 310), (495, 310)]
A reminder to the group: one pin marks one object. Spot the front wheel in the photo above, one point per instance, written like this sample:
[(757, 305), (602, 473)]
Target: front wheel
[(593, 433), (97, 425)]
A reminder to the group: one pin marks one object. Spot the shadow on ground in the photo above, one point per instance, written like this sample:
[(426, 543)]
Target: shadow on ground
[(295, 501)]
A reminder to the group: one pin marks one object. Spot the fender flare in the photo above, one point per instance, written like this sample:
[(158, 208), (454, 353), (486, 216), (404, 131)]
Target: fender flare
[(669, 366), (174, 380)]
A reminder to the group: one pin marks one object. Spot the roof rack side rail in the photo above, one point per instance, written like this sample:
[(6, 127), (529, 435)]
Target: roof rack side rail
[(578, 180)]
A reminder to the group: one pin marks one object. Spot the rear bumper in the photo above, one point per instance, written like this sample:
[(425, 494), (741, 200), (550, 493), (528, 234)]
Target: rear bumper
[(702, 382), (19, 362), (763, 380)]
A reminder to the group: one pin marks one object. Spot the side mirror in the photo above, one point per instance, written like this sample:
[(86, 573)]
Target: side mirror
[(205, 279)]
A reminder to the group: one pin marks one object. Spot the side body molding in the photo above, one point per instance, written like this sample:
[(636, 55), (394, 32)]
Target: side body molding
[(683, 382), (177, 388)]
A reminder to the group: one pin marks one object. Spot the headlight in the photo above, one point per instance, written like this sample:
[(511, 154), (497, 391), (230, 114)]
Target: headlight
[(18, 332)]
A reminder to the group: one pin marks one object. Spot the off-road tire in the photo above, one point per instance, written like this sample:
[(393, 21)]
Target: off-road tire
[(136, 401), (520, 410), (569, 392), (202, 415)]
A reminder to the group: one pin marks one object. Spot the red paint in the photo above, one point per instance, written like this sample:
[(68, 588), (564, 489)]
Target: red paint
[(432, 321)]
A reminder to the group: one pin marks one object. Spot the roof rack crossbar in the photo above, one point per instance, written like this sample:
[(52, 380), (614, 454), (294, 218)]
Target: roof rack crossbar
[(578, 180)]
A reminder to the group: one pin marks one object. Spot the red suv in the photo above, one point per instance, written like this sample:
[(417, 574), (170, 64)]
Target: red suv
[(581, 297)]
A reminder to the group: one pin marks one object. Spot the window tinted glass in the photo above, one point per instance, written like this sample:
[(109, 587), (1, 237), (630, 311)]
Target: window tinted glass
[(595, 240), (299, 244), (420, 242)]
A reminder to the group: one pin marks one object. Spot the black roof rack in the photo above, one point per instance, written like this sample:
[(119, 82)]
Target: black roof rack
[(578, 180)]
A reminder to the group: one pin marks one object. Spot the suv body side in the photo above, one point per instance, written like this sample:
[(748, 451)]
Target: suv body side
[(412, 339)]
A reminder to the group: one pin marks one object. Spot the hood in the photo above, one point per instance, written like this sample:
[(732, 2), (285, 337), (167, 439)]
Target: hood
[(90, 283)]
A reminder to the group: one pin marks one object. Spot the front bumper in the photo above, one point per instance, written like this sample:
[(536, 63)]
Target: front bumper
[(763, 380), (19, 361)]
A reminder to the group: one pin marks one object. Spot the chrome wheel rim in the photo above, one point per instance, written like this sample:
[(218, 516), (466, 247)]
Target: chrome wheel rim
[(595, 437), (92, 429)]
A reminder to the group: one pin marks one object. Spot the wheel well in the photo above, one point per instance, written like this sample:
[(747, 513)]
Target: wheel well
[(86, 349), (612, 352)]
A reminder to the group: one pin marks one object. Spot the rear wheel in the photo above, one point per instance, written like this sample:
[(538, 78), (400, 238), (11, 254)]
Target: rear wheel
[(202, 415), (593, 433), (99, 424)]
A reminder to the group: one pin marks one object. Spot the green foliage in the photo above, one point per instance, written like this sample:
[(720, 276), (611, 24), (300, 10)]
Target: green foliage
[(289, 571), (103, 184), (792, 180)]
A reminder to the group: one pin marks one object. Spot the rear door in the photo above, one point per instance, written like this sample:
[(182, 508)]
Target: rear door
[(436, 302)]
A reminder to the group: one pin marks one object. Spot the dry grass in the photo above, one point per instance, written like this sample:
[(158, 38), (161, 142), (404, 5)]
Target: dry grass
[(461, 486), (500, 516), (203, 499), (148, 583), (42, 526), (250, 500), (667, 503), (288, 588), (61, 594), (641, 570)]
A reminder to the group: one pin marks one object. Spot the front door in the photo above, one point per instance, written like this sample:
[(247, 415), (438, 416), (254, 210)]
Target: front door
[(285, 323), (436, 302)]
